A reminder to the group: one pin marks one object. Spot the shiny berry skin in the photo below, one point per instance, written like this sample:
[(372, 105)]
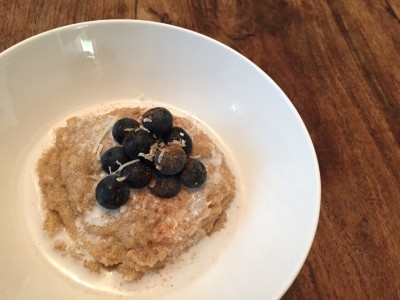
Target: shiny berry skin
[(112, 159), (194, 174), (170, 160), (158, 120), (180, 135), (165, 186), (111, 193), (138, 175), (137, 142), (122, 127)]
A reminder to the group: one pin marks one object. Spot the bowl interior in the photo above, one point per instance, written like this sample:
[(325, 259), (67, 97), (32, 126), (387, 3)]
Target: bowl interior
[(63, 71)]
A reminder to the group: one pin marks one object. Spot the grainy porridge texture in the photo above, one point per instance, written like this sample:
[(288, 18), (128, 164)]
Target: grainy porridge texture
[(146, 233)]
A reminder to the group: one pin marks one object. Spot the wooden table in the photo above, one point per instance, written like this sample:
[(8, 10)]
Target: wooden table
[(339, 63)]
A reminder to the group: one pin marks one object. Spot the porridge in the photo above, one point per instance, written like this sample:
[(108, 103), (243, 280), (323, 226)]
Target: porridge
[(128, 206)]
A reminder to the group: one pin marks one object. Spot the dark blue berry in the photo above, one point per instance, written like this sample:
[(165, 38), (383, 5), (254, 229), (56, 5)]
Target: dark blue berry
[(148, 163), (137, 142), (158, 120), (138, 175), (111, 193), (194, 174), (165, 186), (122, 127), (170, 160), (113, 158), (180, 135)]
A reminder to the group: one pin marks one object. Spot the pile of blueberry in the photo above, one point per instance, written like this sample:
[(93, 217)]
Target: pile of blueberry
[(154, 154)]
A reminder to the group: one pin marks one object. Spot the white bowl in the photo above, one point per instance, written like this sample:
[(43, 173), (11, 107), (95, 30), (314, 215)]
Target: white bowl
[(58, 73)]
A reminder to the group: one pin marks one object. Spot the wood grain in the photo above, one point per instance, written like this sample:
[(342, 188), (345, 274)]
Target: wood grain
[(339, 63)]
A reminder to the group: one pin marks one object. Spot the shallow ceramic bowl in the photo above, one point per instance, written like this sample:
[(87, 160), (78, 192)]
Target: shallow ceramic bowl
[(61, 72)]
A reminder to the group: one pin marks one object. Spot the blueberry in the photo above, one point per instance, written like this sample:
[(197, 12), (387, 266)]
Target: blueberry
[(170, 160), (194, 174), (122, 127), (111, 193), (158, 120), (113, 158), (165, 186), (180, 135), (138, 175), (137, 142), (148, 163)]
